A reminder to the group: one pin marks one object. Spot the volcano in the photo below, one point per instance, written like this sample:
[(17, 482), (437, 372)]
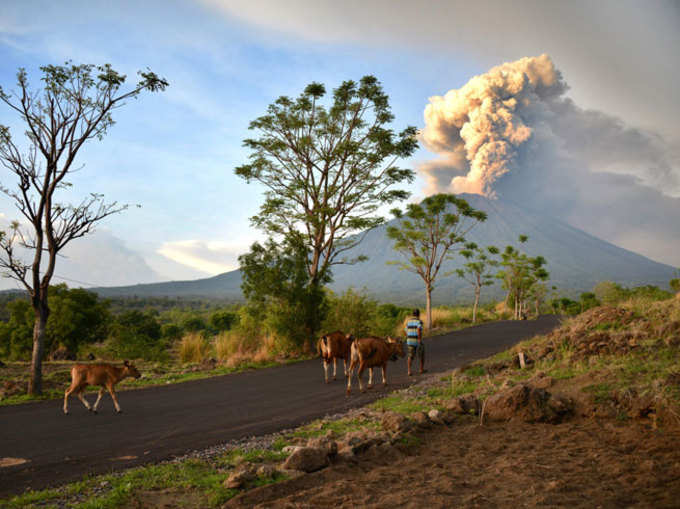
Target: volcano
[(576, 260)]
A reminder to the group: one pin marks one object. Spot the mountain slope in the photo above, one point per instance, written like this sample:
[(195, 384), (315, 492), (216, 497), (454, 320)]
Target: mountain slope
[(576, 262)]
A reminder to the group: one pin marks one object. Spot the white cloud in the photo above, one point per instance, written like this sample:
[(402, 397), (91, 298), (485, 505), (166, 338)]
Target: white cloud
[(212, 257)]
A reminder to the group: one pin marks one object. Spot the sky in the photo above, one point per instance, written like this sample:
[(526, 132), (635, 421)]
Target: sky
[(174, 152)]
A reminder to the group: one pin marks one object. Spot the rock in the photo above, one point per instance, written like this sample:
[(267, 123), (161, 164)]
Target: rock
[(291, 448), (528, 404), (307, 459), (435, 416), (331, 446), (542, 381), (266, 471), (396, 423), (241, 476), (464, 405), (421, 420)]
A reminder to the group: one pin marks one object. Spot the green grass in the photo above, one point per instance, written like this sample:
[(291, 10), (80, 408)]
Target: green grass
[(202, 479), (340, 427)]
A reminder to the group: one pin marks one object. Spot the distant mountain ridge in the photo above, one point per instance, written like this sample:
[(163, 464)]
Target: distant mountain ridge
[(576, 261)]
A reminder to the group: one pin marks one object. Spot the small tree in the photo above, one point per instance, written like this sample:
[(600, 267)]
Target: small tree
[(327, 170), (427, 235), (75, 105), (478, 270), (275, 282), (520, 275), (675, 282)]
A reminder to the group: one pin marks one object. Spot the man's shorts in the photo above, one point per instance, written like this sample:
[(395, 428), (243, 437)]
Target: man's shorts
[(414, 350)]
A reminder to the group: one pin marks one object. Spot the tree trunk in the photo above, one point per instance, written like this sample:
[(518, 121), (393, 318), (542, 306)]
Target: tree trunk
[(474, 308), (428, 307), (41, 314)]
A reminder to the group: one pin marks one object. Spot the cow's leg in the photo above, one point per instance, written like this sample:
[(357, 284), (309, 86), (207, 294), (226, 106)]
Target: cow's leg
[(335, 367), (66, 395), (370, 377), (384, 372), (99, 397), (344, 366), (362, 367), (81, 397), (326, 362), (114, 398), (349, 376)]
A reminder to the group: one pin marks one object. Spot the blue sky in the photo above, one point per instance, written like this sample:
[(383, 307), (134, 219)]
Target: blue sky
[(174, 152)]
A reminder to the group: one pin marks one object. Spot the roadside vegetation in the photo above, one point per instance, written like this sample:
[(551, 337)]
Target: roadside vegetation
[(614, 363), (177, 343)]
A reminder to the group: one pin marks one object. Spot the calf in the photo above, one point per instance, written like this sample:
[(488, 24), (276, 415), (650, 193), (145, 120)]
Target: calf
[(333, 346), (106, 375), (370, 353)]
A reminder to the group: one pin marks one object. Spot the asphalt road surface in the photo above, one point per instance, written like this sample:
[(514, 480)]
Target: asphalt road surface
[(160, 422)]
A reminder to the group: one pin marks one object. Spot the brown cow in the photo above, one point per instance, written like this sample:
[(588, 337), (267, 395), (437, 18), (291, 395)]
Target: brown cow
[(333, 346), (106, 375), (370, 353)]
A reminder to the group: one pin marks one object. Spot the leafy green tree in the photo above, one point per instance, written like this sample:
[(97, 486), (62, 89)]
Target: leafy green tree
[(427, 235), (223, 320), (78, 317), (193, 324), (19, 329), (675, 285), (351, 312), (588, 300), (75, 105), (136, 334), (610, 293), (327, 169), (478, 270), (275, 282), (521, 275)]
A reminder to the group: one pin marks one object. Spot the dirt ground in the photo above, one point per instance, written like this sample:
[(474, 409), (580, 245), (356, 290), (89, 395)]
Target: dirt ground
[(582, 463)]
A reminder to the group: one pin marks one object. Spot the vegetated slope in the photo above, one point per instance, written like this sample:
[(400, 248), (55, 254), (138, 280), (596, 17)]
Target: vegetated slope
[(576, 262), (590, 420)]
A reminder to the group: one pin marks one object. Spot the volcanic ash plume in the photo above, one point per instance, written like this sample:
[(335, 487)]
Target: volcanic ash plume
[(514, 123)]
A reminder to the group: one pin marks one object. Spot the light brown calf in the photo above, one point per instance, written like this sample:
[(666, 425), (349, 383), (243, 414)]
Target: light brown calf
[(370, 353), (105, 375), (333, 346)]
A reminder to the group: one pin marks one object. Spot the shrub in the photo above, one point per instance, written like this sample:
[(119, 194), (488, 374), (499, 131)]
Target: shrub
[(223, 320)]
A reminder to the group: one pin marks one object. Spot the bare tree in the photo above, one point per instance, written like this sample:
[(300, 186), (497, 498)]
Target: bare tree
[(74, 105)]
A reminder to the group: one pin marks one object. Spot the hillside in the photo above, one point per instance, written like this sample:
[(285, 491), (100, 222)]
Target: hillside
[(576, 262)]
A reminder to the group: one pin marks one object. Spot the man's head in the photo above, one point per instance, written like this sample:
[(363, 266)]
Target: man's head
[(416, 312)]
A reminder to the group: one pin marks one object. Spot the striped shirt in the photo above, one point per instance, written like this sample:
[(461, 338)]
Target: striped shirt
[(413, 327)]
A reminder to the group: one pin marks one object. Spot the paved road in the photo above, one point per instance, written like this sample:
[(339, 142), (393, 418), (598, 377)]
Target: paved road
[(161, 422)]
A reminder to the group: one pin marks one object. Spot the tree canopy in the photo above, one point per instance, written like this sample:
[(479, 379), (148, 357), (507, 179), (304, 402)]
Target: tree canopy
[(427, 233), (327, 168)]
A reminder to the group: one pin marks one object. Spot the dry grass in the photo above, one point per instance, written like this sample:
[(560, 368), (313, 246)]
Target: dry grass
[(194, 348), (234, 348)]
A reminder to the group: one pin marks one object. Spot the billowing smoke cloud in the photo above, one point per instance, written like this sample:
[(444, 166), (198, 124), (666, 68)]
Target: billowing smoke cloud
[(513, 133), (502, 121)]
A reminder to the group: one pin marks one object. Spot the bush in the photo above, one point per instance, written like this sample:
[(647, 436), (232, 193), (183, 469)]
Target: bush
[(223, 320), (137, 335)]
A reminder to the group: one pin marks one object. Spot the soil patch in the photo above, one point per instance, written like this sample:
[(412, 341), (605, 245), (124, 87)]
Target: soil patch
[(584, 463)]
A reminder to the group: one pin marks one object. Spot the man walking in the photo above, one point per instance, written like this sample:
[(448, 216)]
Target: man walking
[(414, 340)]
